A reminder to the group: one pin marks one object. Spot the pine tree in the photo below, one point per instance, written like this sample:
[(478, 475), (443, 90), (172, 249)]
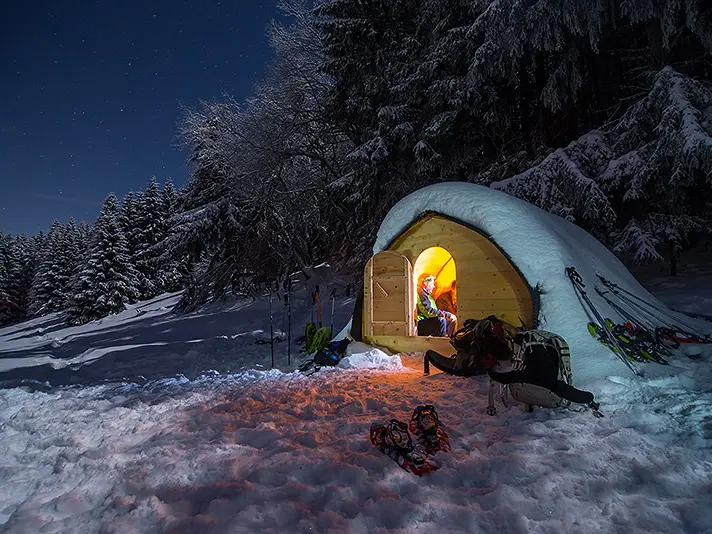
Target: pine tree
[(17, 264), (169, 199), (150, 230), (171, 272), (129, 223), (106, 281), (7, 258), (52, 278), (643, 184), (73, 251)]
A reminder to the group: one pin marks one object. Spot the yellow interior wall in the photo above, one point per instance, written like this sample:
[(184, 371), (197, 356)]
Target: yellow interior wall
[(438, 262)]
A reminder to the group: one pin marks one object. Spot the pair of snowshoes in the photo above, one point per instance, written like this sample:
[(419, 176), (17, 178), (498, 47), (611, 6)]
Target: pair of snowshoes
[(394, 440)]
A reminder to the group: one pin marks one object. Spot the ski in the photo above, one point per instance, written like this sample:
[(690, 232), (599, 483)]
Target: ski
[(652, 311), (579, 286), (624, 348)]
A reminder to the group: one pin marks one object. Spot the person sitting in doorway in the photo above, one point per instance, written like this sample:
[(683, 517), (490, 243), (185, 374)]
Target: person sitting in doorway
[(431, 320), (447, 301)]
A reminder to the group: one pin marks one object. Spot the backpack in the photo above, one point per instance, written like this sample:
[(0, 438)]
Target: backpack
[(542, 353), (546, 358), (479, 345), (315, 338), (331, 354)]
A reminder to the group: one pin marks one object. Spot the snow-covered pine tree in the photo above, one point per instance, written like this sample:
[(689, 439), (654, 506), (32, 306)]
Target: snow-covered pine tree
[(662, 166), (74, 248), (84, 232), (18, 260), (643, 183), (169, 199), (52, 278), (374, 57), (150, 230), (106, 281), (172, 274), (27, 253), (129, 223), (8, 259)]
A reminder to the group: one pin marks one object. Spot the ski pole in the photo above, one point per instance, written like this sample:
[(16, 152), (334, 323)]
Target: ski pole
[(657, 349), (639, 327), (333, 298), (271, 330), (318, 305), (623, 293)]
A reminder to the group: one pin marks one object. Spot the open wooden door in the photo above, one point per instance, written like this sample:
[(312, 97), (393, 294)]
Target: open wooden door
[(388, 303)]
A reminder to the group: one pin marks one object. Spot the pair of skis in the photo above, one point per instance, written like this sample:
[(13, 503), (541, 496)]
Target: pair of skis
[(394, 439), (632, 341), (638, 311), (603, 332)]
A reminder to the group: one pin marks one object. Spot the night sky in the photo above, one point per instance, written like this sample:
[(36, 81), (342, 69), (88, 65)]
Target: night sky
[(90, 95)]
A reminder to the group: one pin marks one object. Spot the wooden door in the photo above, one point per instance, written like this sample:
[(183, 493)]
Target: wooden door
[(389, 296)]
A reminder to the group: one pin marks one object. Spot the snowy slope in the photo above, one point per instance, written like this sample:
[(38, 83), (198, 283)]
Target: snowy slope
[(541, 245), (271, 451), (148, 341)]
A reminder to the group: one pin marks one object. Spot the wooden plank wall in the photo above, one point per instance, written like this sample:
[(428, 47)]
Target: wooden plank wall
[(487, 283)]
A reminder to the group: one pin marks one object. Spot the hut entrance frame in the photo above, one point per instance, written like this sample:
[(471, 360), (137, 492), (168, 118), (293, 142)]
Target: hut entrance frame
[(487, 283)]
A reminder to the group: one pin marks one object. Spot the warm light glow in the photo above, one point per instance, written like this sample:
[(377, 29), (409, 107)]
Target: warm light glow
[(438, 262)]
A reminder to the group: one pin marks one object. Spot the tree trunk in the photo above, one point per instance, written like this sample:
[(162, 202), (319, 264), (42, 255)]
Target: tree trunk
[(658, 53), (540, 81), (673, 264), (525, 97)]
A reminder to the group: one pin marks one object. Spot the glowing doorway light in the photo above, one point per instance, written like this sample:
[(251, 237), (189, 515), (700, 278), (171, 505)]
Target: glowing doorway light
[(438, 262)]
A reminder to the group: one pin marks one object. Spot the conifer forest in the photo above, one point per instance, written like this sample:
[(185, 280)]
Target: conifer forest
[(599, 111)]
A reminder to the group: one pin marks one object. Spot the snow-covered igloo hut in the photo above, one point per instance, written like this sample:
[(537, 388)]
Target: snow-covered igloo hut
[(509, 259)]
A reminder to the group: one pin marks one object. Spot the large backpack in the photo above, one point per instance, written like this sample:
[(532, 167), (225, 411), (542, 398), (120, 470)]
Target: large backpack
[(479, 345), (543, 355), (528, 356)]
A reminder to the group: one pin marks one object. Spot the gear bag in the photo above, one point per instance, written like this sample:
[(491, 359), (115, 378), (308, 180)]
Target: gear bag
[(542, 354), (479, 345), (332, 353), (541, 373)]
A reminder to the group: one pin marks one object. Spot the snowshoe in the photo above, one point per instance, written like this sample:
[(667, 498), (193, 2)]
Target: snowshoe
[(393, 440), (425, 425)]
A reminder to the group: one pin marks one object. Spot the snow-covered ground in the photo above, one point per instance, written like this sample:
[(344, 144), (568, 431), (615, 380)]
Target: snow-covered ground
[(204, 437)]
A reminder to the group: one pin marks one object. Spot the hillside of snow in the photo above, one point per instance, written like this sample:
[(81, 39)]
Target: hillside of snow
[(182, 449), (149, 341)]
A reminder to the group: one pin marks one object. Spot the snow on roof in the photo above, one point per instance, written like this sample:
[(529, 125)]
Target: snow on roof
[(542, 246)]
